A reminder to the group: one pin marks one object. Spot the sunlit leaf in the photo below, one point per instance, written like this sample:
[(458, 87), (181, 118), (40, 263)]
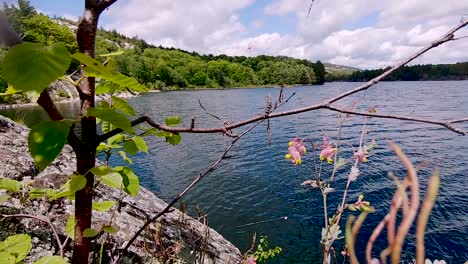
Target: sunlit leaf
[(175, 139), (140, 144), (106, 127), (17, 245), (107, 87), (103, 206), (130, 180), (10, 185), (51, 260), (115, 53), (10, 90), (110, 229), (113, 180), (123, 155), (96, 69), (46, 141), (89, 232), (172, 120), (123, 106), (70, 227), (32, 66), (76, 183), (117, 119), (42, 193), (117, 138)]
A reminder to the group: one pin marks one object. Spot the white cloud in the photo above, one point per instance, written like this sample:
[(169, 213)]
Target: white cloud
[(187, 24), (335, 30)]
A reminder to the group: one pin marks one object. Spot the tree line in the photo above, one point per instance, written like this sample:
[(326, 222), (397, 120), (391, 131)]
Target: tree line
[(428, 72), (158, 67)]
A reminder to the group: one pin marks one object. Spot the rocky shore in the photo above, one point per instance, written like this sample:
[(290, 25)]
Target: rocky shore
[(175, 232)]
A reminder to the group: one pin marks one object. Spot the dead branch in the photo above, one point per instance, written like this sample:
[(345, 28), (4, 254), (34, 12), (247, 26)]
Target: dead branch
[(449, 36)]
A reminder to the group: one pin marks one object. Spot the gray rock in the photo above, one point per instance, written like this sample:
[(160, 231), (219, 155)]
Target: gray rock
[(175, 231)]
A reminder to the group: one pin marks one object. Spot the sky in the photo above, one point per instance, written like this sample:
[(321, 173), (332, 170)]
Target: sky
[(359, 33)]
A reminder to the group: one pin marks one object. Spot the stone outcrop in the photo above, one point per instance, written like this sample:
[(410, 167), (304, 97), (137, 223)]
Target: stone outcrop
[(175, 232)]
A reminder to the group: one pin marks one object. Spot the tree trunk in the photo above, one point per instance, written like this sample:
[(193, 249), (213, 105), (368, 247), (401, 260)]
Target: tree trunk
[(86, 153)]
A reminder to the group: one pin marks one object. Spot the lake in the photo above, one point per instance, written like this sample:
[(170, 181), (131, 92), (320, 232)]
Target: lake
[(256, 184)]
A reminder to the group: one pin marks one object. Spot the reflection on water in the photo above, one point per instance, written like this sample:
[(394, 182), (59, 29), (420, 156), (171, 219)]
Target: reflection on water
[(256, 183)]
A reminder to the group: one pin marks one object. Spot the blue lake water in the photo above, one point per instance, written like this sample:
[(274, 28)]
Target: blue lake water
[(257, 184)]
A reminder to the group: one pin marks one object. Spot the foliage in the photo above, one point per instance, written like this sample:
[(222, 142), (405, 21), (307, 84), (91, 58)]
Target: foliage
[(458, 71), (264, 252)]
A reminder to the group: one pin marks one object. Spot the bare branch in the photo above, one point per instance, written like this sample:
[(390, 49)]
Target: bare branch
[(207, 112), (325, 105), (188, 188), (447, 124), (103, 4), (445, 38), (45, 220)]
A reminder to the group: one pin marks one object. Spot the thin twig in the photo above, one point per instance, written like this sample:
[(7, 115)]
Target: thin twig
[(449, 36), (207, 112), (45, 220), (188, 188)]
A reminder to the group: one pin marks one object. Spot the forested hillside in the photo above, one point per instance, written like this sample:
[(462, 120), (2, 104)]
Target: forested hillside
[(165, 68), (429, 72)]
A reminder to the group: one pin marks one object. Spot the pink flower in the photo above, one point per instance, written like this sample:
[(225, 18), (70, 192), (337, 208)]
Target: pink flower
[(250, 260), (296, 150), (328, 151), (361, 155)]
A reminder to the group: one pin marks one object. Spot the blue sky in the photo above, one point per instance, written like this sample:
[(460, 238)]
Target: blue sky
[(361, 33)]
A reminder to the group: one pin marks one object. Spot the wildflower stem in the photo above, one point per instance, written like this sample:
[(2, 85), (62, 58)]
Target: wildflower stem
[(432, 190)]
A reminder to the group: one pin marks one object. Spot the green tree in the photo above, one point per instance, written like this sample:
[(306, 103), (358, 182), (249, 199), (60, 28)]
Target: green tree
[(320, 72)]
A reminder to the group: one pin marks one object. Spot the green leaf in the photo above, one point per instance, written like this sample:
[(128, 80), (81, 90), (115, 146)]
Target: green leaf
[(96, 69), (101, 170), (10, 185), (4, 198), (172, 120), (70, 227), (123, 155), (32, 66), (106, 127), (103, 206), (51, 260), (77, 182), (175, 139), (122, 105), (46, 141), (117, 138), (115, 118), (108, 176), (42, 193), (10, 90), (130, 147), (130, 180), (115, 53), (107, 87), (5, 257), (110, 229), (140, 144), (17, 245), (89, 232), (113, 180)]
